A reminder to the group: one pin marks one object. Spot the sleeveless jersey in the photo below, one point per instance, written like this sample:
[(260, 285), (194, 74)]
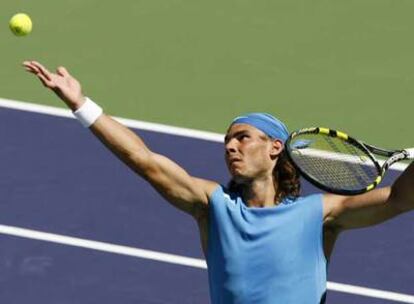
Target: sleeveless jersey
[(266, 255)]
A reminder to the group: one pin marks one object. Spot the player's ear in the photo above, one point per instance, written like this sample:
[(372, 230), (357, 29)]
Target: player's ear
[(277, 148)]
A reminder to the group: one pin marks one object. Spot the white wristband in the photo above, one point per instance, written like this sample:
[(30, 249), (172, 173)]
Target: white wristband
[(88, 113), (410, 153)]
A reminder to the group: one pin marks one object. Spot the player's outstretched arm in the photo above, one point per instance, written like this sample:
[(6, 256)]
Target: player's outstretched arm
[(371, 208), (187, 193)]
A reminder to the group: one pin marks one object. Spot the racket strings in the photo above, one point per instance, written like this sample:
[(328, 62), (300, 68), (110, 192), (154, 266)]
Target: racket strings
[(350, 150), (333, 162)]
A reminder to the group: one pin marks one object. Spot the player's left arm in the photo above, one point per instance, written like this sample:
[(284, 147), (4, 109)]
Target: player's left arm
[(371, 208)]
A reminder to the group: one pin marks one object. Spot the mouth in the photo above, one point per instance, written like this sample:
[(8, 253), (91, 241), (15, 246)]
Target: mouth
[(233, 161)]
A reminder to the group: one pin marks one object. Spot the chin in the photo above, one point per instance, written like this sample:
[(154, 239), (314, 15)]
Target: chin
[(239, 178)]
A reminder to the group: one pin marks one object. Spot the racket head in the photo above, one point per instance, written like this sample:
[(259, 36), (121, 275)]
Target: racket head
[(333, 161)]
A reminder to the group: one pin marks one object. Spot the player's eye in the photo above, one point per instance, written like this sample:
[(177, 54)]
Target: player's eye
[(243, 137)]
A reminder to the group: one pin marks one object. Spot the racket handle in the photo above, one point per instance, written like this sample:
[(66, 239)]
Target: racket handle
[(410, 153)]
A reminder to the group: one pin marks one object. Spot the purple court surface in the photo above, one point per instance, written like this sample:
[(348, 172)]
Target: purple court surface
[(57, 178)]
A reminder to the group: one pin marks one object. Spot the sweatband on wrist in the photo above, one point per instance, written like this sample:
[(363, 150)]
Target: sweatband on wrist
[(88, 113)]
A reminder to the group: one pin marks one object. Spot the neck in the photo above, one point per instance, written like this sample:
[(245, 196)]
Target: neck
[(260, 192)]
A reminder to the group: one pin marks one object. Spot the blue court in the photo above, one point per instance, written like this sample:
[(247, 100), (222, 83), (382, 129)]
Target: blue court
[(58, 179)]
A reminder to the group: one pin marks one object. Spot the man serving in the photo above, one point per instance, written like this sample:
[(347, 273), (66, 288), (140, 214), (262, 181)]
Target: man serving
[(263, 242)]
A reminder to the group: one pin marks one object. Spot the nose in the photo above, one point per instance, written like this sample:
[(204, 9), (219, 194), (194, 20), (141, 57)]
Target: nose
[(230, 147)]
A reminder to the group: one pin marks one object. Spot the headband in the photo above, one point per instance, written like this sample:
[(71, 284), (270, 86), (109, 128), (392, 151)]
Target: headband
[(266, 123)]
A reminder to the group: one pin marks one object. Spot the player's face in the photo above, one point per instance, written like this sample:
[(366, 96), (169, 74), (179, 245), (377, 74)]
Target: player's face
[(249, 153)]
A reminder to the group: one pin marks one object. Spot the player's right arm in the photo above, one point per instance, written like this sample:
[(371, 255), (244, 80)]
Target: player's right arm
[(187, 193), (168, 178)]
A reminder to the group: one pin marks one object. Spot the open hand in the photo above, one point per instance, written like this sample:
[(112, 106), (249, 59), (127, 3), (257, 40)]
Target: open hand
[(62, 83)]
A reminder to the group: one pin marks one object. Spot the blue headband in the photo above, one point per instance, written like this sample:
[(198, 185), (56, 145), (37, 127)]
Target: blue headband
[(266, 123)]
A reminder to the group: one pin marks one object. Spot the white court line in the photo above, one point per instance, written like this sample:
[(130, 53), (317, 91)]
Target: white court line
[(147, 254), (142, 125), (369, 292), (137, 124), (342, 157), (179, 260), (101, 246)]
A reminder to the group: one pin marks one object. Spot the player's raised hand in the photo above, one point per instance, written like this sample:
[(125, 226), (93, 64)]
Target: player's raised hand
[(62, 83)]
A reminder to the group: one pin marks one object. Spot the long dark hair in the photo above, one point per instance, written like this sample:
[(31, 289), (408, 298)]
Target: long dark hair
[(286, 177)]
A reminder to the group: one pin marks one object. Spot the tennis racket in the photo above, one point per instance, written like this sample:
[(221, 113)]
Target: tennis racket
[(338, 163)]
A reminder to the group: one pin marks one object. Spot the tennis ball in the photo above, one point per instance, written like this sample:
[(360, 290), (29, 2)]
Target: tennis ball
[(21, 24)]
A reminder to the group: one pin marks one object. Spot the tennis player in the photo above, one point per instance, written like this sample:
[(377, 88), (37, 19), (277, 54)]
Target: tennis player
[(263, 242)]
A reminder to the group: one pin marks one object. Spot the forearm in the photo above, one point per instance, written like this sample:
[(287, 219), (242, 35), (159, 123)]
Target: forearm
[(168, 178), (402, 191), (349, 212), (124, 143)]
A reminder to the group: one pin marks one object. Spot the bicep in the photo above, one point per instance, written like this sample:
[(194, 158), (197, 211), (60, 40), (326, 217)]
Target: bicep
[(348, 212), (168, 178), (185, 192)]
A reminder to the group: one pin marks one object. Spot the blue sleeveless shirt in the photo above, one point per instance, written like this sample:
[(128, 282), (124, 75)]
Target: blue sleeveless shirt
[(265, 255)]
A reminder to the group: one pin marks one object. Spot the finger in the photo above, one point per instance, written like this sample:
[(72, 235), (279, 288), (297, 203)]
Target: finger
[(31, 71), (27, 62), (46, 82), (62, 71), (42, 69), (34, 69), (28, 65), (31, 68)]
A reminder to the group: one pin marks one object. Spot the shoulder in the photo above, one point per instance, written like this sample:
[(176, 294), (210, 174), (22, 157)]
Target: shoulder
[(223, 197), (207, 186), (333, 205), (309, 200), (313, 204), (219, 198), (219, 191)]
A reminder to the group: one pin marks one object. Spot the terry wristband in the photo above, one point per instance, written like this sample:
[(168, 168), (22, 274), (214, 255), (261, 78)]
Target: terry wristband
[(88, 113)]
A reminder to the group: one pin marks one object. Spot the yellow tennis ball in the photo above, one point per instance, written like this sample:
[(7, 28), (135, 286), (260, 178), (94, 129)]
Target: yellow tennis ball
[(21, 24)]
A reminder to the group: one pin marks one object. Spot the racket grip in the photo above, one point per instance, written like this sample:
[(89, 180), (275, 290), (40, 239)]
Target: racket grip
[(410, 153)]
